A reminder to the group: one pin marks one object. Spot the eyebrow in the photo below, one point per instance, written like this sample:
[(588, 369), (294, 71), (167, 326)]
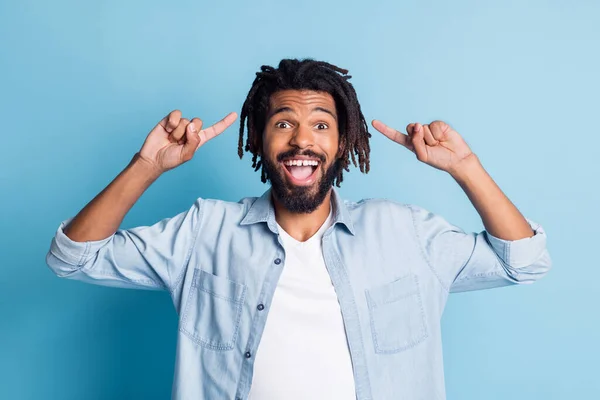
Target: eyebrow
[(288, 109)]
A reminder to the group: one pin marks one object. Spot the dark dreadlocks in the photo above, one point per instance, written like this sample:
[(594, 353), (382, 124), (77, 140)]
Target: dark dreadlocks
[(306, 75)]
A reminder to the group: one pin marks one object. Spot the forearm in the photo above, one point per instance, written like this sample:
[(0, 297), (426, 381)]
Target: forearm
[(499, 215), (101, 217)]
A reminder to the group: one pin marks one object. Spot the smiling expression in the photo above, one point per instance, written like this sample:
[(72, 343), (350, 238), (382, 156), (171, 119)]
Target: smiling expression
[(301, 147)]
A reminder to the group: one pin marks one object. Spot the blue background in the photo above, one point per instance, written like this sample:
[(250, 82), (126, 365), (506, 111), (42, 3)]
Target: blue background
[(82, 83)]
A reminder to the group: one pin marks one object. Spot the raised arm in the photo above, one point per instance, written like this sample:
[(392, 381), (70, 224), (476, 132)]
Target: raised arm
[(512, 249), (171, 143), (90, 246)]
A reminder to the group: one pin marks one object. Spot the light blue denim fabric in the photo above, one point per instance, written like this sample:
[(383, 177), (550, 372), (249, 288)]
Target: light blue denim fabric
[(392, 266)]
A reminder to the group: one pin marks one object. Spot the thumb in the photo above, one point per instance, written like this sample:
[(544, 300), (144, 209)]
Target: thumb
[(192, 139)]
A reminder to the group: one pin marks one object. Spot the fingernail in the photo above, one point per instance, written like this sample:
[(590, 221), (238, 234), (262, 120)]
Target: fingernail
[(417, 127), (192, 127)]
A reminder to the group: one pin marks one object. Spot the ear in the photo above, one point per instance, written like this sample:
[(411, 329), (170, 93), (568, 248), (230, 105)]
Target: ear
[(341, 147)]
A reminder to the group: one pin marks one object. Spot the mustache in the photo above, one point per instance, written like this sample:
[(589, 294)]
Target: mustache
[(296, 152)]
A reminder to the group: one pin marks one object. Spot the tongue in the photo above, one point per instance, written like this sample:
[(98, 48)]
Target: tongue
[(302, 172)]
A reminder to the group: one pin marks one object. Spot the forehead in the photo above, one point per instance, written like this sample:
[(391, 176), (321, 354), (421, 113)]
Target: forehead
[(301, 99)]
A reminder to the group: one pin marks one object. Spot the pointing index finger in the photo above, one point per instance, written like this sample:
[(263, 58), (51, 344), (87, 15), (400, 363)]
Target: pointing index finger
[(218, 128), (391, 133)]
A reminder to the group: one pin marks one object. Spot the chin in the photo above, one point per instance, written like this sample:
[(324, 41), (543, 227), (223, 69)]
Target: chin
[(301, 199), (300, 196)]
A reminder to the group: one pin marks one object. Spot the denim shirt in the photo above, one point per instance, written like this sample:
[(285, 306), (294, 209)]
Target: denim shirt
[(392, 266)]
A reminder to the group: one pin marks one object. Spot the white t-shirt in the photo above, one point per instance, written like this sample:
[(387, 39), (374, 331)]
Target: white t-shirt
[(303, 352)]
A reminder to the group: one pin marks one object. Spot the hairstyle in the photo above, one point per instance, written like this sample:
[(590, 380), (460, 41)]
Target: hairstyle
[(312, 75)]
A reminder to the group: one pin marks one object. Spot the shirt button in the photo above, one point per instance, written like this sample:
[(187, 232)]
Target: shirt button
[(248, 354), (260, 307), (278, 261)]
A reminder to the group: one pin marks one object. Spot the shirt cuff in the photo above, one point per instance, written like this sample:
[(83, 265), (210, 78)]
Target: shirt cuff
[(521, 252), (70, 251)]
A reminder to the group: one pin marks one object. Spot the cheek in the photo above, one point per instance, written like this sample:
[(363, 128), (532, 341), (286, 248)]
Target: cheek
[(330, 146), (271, 151), (268, 145)]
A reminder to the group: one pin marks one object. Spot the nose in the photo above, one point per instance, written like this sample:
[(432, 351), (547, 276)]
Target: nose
[(302, 137)]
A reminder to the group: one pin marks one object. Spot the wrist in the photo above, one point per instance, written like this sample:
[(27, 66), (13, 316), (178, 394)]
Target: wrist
[(465, 168), (145, 167)]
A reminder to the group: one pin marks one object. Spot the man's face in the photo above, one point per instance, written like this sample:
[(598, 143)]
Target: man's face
[(300, 148)]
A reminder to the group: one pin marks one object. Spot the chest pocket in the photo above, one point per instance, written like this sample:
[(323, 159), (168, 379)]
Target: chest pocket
[(211, 317), (397, 315)]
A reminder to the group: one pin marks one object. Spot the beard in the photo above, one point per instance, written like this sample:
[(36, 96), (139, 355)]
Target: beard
[(295, 198)]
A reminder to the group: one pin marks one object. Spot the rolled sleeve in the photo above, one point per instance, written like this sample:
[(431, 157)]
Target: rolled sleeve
[(522, 252), (70, 252), (152, 257), (465, 261)]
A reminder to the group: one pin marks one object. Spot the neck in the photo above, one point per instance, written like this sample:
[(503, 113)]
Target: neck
[(302, 226)]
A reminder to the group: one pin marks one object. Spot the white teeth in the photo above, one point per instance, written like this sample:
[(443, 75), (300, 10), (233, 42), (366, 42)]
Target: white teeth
[(301, 162)]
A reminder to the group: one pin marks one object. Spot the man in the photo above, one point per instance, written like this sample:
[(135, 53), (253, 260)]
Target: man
[(299, 294)]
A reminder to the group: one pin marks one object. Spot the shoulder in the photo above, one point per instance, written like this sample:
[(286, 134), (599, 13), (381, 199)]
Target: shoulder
[(381, 206), (380, 212), (212, 206)]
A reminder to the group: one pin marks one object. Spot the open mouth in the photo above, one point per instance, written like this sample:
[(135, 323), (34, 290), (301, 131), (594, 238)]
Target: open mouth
[(301, 171)]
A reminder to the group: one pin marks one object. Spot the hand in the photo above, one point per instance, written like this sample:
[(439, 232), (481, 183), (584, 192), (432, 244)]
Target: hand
[(435, 144), (175, 140)]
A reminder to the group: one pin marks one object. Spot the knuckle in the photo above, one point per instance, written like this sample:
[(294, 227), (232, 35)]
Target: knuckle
[(175, 115), (438, 125)]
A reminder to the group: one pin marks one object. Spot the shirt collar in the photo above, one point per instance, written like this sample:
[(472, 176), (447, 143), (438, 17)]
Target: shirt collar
[(262, 210)]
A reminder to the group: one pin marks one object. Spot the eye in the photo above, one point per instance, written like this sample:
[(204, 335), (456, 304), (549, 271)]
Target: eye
[(321, 126), (282, 125)]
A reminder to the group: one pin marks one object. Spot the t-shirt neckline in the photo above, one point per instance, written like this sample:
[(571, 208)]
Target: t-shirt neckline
[(318, 235)]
